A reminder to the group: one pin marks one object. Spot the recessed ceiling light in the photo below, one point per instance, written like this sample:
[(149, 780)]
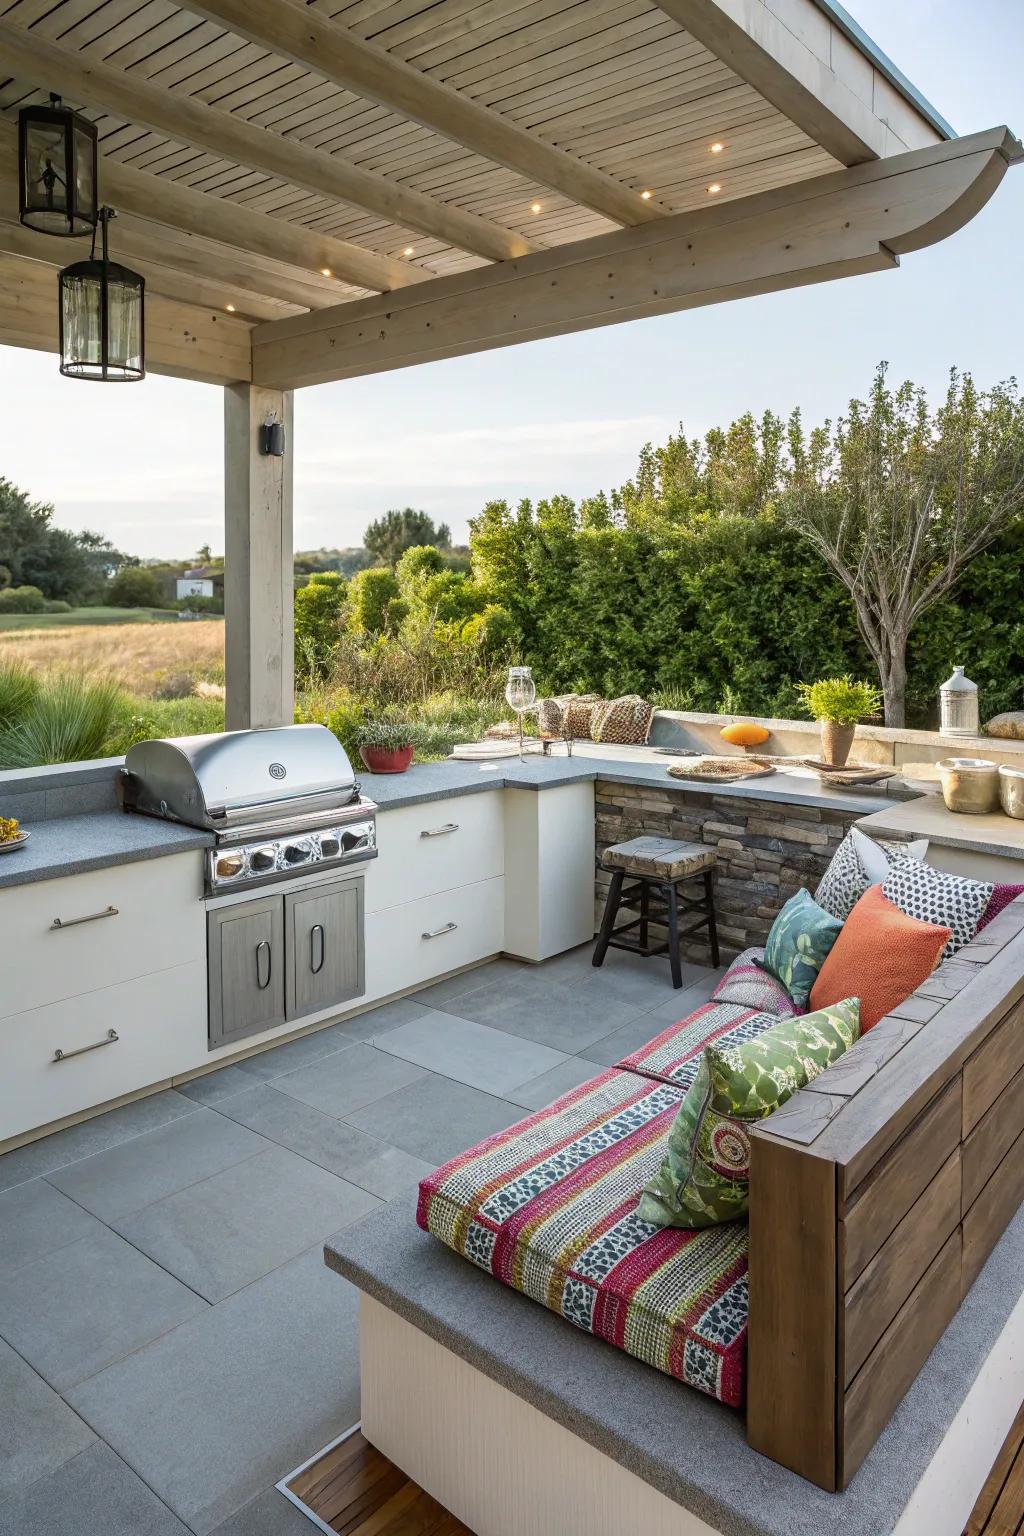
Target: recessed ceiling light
[(535, 207), (409, 251), (326, 272), (230, 308), (646, 194), (716, 148), (714, 187)]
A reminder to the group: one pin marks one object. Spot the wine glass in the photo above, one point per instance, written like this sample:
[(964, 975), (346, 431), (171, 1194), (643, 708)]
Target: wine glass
[(520, 693)]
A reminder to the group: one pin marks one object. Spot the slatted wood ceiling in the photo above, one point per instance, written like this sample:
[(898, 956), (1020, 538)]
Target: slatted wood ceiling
[(616, 84)]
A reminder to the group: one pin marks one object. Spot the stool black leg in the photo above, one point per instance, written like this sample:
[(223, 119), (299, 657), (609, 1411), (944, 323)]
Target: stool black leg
[(673, 937), (709, 893), (611, 911), (644, 913)]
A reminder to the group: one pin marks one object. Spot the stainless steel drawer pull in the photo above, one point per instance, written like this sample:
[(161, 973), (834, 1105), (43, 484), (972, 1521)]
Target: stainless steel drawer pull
[(317, 951), (72, 922), (435, 933), (449, 826), (108, 1039), (263, 952)]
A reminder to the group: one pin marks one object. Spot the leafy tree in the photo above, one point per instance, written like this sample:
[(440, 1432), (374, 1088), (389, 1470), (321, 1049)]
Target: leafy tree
[(318, 617), (390, 536), (898, 501), (35, 553), (374, 603), (135, 587)]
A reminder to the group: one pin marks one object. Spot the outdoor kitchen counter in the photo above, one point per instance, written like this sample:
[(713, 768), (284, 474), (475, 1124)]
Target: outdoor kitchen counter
[(590, 761), (73, 845), (991, 834)]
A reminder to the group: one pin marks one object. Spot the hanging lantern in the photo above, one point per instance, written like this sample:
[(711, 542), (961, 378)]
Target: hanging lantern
[(57, 169), (102, 325)]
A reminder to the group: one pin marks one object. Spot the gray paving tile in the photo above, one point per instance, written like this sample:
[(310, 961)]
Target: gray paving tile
[(92, 1136), (377, 1021), (148, 1168), (94, 1494), (441, 993), (384, 1170), (679, 1004), (609, 1050), (214, 1087), (436, 1118), (269, 1514), (346, 1082), (294, 1054), (74, 1311), (228, 1230), (214, 1413), (35, 1219), (490, 1059), (647, 983), (565, 1017), (38, 1431), (543, 1090)]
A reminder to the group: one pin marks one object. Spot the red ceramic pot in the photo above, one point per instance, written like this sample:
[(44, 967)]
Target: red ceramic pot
[(386, 759)]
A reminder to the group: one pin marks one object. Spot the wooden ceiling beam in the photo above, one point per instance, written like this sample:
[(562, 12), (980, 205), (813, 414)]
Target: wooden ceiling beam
[(846, 222), (307, 38), (185, 341), (83, 80), (811, 73)]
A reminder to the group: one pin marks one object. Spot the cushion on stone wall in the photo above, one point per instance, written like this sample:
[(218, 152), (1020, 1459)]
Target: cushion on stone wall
[(626, 721), (705, 1177)]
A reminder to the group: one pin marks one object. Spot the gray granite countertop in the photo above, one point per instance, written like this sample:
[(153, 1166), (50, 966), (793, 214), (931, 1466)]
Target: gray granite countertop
[(687, 1446), (72, 845)]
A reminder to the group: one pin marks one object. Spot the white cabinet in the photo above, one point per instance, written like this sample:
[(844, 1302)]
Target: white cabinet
[(437, 846), (549, 870), (412, 944), (66, 937)]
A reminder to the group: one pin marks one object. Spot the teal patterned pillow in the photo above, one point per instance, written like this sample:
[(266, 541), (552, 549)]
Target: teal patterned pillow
[(705, 1176), (798, 945)]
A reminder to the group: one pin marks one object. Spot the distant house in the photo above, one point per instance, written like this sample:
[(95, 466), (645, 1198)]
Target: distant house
[(203, 581)]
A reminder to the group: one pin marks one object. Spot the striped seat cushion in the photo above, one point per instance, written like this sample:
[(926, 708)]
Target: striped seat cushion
[(549, 1208), (674, 1055)]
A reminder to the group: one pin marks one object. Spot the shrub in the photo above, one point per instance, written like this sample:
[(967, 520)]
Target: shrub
[(493, 631), (318, 614), (69, 720), (57, 605), (839, 700), (135, 587), (22, 600), (174, 685), (372, 598)]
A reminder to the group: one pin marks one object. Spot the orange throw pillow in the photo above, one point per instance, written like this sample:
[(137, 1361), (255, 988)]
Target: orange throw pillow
[(880, 956)]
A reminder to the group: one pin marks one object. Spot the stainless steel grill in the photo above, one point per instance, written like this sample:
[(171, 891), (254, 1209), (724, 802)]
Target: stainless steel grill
[(277, 801)]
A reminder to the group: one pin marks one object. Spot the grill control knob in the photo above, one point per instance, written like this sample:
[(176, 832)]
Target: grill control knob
[(262, 860)]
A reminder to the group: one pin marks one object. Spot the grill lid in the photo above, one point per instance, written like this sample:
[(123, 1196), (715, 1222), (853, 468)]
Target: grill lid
[(209, 780)]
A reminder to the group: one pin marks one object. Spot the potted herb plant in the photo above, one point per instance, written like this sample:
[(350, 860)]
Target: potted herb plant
[(838, 703), (386, 746)]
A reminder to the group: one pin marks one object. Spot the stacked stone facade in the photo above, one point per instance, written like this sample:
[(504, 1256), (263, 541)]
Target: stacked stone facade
[(766, 850)]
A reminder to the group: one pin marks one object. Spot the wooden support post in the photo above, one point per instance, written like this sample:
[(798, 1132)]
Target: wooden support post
[(258, 581)]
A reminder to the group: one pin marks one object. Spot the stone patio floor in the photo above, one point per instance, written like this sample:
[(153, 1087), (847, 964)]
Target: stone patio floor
[(171, 1343)]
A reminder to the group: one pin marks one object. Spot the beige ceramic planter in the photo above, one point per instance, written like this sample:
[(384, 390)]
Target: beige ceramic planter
[(836, 741), (970, 785)]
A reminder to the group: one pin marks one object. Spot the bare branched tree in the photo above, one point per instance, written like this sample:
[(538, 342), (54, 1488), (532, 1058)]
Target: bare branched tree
[(898, 501)]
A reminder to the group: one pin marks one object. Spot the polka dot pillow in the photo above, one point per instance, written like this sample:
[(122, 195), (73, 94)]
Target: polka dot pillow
[(932, 896), (858, 862)]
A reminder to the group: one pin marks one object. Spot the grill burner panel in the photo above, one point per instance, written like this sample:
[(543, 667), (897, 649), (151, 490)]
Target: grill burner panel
[(242, 864)]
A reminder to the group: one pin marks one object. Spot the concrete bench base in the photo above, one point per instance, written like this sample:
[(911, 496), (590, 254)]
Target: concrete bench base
[(521, 1426)]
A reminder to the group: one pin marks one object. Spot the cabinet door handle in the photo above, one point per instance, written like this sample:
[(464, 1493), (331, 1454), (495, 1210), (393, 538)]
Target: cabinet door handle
[(90, 917), (262, 952), (449, 826), (317, 948), (108, 1039), (435, 933)]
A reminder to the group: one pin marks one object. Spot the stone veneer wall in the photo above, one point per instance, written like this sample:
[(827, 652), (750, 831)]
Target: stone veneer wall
[(766, 850)]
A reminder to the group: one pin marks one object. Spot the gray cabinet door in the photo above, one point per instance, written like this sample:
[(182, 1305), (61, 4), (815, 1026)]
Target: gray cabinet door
[(324, 930), (247, 968)]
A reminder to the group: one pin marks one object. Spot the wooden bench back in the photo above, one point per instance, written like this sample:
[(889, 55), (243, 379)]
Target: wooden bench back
[(876, 1195)]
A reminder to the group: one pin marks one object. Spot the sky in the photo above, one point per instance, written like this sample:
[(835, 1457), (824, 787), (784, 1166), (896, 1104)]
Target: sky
[(142, 464)]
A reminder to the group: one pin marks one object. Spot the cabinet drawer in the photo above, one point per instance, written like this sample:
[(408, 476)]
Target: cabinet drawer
[(423, 939), (160, 1022), (435, 847), (138, 918)]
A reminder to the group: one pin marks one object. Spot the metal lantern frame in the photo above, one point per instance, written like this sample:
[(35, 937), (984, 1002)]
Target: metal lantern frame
[(102, 271), (78, 133)]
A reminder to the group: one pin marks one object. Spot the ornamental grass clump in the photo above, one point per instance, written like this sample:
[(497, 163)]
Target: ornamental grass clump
[(69, 720), (840, 700)]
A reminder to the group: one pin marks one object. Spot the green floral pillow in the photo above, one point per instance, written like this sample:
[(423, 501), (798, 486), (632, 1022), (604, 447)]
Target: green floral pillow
[(798, 945), (705, 1176)]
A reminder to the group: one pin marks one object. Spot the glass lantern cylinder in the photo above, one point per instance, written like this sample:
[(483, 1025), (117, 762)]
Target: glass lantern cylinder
[(102, 319), (958, 706), (57, 170)]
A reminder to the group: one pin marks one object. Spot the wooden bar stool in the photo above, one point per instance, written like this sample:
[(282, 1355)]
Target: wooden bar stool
[(656, 868)]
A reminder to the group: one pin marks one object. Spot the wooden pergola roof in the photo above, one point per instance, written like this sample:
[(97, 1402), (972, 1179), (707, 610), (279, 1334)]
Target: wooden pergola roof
[(319, 190)]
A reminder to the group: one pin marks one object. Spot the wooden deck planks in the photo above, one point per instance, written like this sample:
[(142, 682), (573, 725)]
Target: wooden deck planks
[(356, 1491), (1000, 1507)]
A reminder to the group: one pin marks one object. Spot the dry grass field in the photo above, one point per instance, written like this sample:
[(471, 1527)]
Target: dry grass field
[(155, 660)]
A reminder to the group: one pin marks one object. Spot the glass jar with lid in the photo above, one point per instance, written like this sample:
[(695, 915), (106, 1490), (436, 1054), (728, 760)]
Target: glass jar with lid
[(958, 706)]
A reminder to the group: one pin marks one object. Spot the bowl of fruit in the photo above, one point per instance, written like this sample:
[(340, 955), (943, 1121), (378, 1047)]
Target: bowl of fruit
[(11, 835)]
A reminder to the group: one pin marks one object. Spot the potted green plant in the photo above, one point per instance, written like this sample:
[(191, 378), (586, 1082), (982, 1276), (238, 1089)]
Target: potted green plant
[(386, 746), (838, 703)]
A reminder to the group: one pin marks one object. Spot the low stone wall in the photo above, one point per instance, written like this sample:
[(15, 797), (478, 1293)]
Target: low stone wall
[(766, 850)]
